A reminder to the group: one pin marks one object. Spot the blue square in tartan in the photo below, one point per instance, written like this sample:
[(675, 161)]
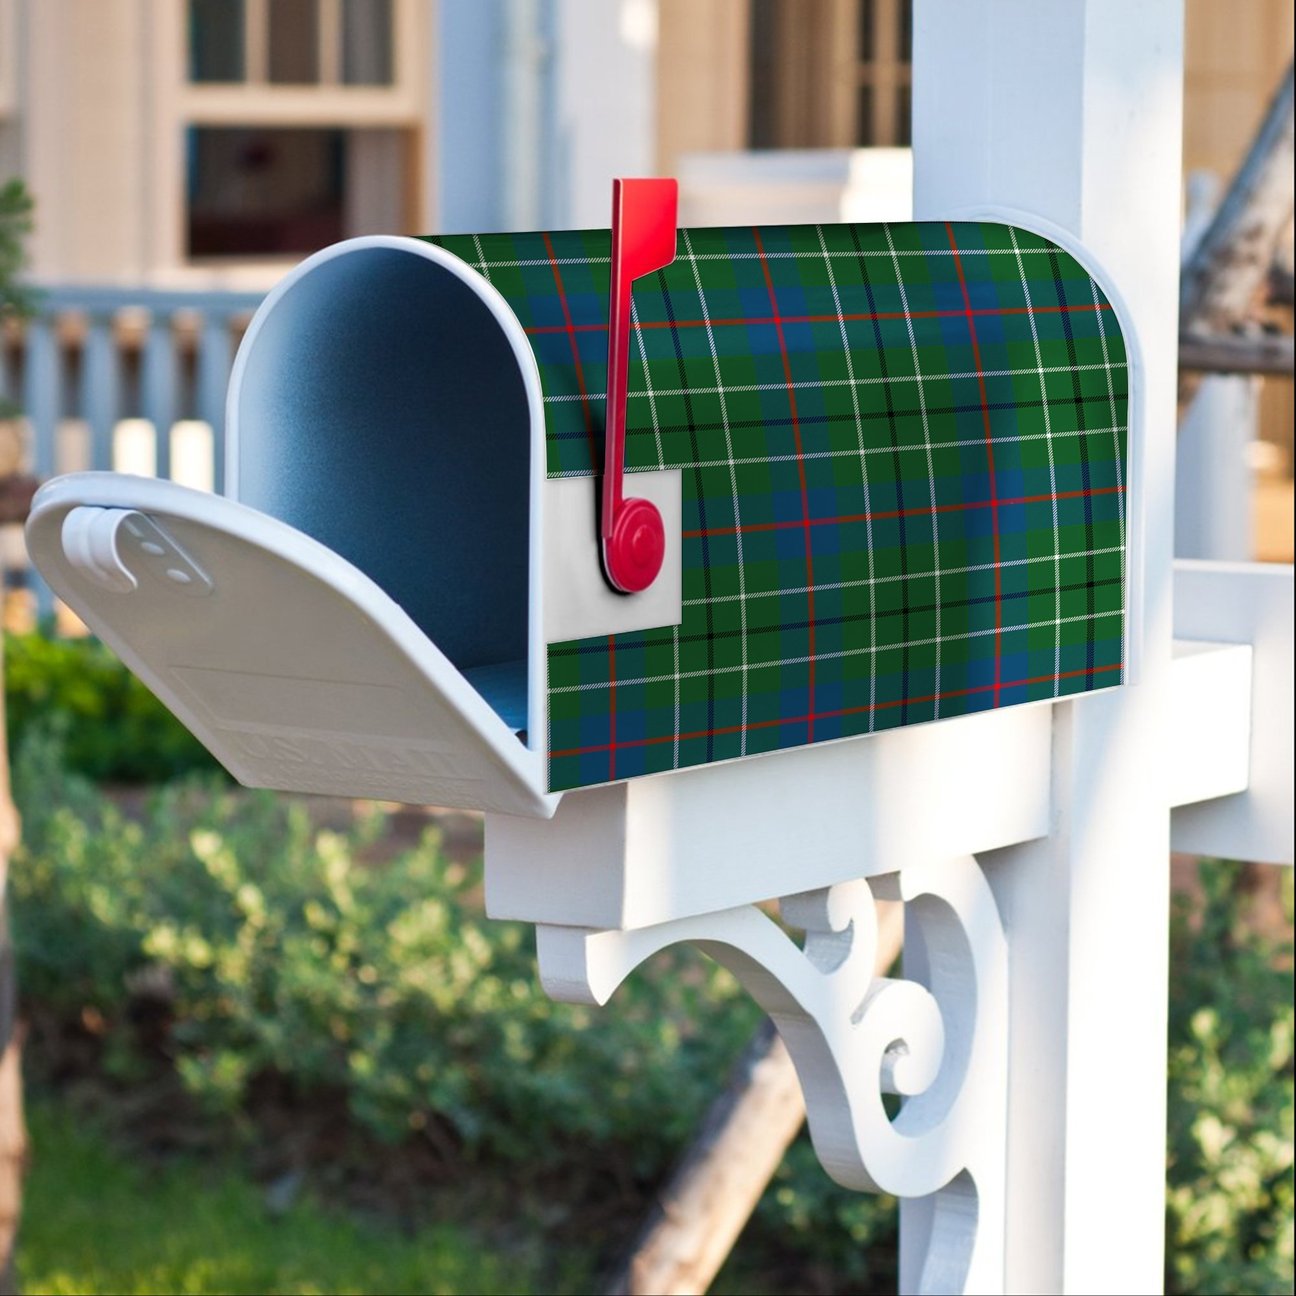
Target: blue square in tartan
[(1010, 520), (975, 484), (978, 524), (825, 551), (790, 298), (947, 296), (990, 337), (983, 294), (631, 722), (1015, 657), (762, 339), (593, 731)]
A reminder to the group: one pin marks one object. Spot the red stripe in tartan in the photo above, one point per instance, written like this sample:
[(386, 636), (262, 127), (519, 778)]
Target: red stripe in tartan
[(989, 442), (844, 711), (805, 495), (537, 329), (570, 329), (924, 511)]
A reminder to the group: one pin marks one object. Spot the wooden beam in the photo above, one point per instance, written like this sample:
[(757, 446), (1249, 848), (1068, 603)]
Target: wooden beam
[(1281, 284), (1245, 353), (1226, 273), (1280, 272)]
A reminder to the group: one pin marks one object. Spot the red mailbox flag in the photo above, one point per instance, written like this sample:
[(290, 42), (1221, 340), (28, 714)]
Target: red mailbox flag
[(643, 240)]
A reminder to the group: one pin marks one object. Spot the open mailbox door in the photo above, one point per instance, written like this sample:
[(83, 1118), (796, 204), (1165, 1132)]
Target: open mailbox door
[(293, 667)]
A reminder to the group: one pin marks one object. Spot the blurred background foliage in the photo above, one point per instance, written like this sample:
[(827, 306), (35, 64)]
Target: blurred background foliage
[(323, 1012)]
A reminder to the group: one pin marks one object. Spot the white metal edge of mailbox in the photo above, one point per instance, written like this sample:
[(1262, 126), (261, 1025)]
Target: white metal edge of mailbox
[(537, 659)]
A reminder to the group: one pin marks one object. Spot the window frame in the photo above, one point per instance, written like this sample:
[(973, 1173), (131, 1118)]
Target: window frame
[(814, 98), (181, 104), (8, 57), (255, 100)]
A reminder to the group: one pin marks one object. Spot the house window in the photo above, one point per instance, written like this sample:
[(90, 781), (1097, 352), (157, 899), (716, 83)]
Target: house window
[(291, 42), (216, 46), (256, 192), (264, 192), (366, 42), (293, 52), (830, 73), (300, 122)]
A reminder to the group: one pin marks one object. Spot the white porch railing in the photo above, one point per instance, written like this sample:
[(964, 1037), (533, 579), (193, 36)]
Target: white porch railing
[(131, 380)]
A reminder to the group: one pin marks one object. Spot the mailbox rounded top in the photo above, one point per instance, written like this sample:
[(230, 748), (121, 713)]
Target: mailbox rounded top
[(385, 402)]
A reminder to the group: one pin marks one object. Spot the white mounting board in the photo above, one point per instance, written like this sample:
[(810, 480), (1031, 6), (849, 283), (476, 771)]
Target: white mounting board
[(1244, 603), (695, 841)]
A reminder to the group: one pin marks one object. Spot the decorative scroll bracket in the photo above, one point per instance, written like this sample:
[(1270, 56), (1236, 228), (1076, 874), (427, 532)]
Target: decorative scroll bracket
[(937, 1037)]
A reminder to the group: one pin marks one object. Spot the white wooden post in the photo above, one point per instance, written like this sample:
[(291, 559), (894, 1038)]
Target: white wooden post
[(1214, 514), (1072, 112)]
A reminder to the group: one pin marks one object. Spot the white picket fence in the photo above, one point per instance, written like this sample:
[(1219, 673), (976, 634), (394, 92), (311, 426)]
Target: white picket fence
[(131, 380)]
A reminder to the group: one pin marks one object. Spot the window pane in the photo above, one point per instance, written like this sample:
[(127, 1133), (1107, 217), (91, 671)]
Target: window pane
[(259, 192), (216, 40), (904, 34), (763, 79), (367, 42), (867, 19), (864, 116), (903, 108), (294, 42)]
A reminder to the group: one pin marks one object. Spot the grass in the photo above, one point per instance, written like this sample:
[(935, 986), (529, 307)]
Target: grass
[(95, 1221)]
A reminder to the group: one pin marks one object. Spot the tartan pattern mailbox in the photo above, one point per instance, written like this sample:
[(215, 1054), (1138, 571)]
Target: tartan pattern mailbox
[(893, 460), (903, 453)]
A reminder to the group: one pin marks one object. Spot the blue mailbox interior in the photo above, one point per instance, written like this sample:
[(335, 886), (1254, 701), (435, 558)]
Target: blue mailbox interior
[(382, 411)]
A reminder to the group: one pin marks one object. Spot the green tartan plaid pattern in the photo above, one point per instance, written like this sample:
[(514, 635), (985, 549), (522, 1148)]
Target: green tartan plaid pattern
[(904, 461)]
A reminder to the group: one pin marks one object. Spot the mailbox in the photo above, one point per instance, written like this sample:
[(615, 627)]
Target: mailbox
[(883, 469)]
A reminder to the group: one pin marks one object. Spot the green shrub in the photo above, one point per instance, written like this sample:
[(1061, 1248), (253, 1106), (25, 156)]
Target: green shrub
[(113, 728), (1229, 1200), (282, 954)]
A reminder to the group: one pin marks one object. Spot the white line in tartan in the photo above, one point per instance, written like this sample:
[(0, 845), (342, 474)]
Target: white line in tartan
[(752, 595), (482, 266), (526, 262), (863, 463), (661, 462), (733, 487), (1116, 448), (1015, 439), (652, 403), (1011, 440), (931, 468), (1048, 437), (821, 383), (832, 656), (675, 733)]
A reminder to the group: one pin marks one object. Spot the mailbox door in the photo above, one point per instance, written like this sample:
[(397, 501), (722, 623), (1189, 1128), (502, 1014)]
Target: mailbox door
[(286, 661)]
